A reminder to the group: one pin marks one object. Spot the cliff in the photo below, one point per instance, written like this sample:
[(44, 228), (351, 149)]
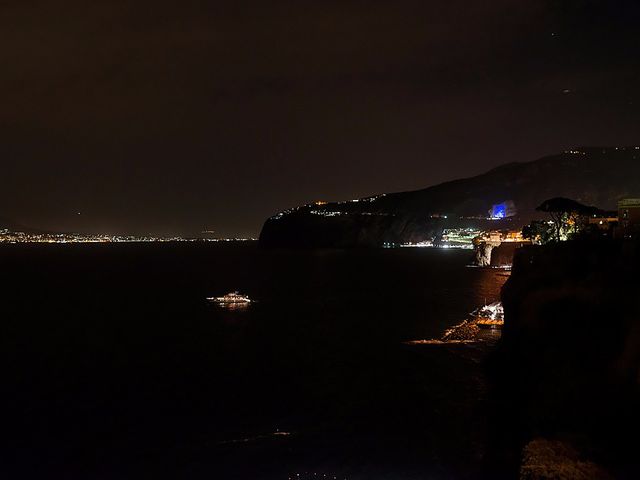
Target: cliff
[(568, 366), (488, 255), (593, 176)]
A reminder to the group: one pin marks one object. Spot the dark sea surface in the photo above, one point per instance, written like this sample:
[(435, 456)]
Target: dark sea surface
[(115, 366)]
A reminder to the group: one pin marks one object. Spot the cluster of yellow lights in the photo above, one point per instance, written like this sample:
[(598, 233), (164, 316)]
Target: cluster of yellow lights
[(7, 236)]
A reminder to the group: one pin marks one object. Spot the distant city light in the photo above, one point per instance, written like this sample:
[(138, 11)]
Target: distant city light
[(8, 236)]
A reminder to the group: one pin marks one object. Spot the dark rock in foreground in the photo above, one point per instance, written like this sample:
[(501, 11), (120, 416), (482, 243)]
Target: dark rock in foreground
[(568, 365), (545, 459)]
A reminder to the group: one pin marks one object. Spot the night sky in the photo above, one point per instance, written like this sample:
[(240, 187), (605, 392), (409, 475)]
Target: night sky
[(175, 116)]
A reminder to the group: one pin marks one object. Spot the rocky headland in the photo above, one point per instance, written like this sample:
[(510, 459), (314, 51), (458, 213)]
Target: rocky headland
[(594, 176)]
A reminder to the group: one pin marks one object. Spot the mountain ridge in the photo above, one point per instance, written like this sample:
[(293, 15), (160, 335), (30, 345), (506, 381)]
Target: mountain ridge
[(591, 175)]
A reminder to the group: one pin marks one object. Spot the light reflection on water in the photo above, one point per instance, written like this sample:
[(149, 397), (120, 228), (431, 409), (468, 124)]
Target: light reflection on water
[(486, 286), (237, 307), (318, 355)]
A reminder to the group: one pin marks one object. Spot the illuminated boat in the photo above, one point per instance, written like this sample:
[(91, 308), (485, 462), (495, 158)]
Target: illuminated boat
[(233, 298), (489, 316)]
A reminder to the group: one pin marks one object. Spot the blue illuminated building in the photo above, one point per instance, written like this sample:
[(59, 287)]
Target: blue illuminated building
[(503, 210), (499, 211)]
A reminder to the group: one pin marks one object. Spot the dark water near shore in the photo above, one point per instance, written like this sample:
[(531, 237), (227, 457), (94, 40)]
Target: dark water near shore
[(114, 365)]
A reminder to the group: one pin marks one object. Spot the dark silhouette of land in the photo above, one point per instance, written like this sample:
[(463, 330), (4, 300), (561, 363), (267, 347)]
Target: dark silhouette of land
[(592, 176)]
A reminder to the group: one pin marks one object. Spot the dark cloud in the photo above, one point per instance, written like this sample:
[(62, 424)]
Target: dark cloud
[(173, 116)]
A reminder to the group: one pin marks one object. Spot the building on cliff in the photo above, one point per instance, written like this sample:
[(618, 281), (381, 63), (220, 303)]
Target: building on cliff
[(487, 242), (604, 222), (629, 218)]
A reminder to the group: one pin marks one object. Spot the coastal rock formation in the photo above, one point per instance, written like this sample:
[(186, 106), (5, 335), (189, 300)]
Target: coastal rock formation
[(482, 254), (568, 365), (593, 176), (502, 255)]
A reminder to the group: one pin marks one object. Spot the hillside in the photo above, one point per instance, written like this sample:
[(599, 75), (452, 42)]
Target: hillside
[(591, 175), (6, 224)]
